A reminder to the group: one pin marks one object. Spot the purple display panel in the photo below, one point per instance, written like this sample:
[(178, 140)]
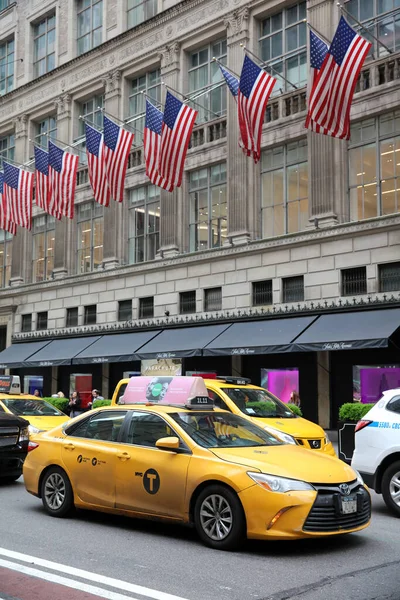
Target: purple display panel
[(374, 382), (281, 382)]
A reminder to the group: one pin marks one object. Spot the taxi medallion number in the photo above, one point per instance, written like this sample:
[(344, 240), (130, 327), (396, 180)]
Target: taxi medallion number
[(349, 505)]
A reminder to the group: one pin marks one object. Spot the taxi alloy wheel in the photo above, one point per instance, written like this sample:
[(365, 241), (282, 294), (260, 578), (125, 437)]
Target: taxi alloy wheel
[(219, 518), (391, 488), (57, 496)]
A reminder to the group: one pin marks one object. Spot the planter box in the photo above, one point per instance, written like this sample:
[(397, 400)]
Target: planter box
[(346, 440)]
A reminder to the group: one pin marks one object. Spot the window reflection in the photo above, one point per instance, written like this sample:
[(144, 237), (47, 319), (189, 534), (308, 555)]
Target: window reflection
[(5, 257), (144, 223), (43, 229), (90, 236)]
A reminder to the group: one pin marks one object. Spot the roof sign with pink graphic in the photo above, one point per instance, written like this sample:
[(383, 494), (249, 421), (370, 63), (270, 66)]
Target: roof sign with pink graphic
[(178, 391)]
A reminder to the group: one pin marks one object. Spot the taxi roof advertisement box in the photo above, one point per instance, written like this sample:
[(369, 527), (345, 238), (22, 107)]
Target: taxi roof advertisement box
[(163, 390), (5, 383)]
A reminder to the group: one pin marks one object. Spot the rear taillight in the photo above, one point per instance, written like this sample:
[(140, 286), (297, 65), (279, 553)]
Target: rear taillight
[(361, 424), (32, 446)]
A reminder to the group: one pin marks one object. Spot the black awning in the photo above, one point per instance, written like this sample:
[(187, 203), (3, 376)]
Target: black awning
[(115, 348), (179, 343), (60, 352), (350, 330), (258, 337), (16, 355)]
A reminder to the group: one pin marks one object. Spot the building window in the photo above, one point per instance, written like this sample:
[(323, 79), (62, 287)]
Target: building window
[(7, 148), (262, 292), (140, 11), (5, 257), (89, 315), (43, 235), (144, 223), (204, 72), (208, 207), (149, 84), (293, 289), (41, 321), (4, 4), (146, 308), (91, 111), (284, 189), (7, 62), (90, 236), (72, 317), (283, 45), (26, 323), (213, 299), (354, 281), (124, 310), (45, 130), (389, 277), (44, 56), (90, 24), (374, 173), (381, 18), (187, 302)]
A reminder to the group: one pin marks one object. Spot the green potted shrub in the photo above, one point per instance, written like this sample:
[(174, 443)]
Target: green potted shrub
[(349, 415)]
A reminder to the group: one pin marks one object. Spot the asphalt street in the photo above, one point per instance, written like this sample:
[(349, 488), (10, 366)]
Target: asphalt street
[(172, 560)]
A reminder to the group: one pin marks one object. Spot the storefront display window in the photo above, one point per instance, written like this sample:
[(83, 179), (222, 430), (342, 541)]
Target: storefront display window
[(369, 382), (283, 383)]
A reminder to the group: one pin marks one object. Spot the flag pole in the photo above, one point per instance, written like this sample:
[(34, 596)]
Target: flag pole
[(15, 163), (266, 66), (225, 67), (189, 100), (63, 143), (363, 27), (115, 118), (323, 38), (153, 100)]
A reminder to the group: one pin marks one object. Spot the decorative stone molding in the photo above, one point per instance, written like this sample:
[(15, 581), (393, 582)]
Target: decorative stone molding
[(236, 24), (63, 106), (112, 83), (169, 56), (21, 126)]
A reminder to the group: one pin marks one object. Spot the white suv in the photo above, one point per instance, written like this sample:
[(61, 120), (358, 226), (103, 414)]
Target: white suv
[(377, 449)]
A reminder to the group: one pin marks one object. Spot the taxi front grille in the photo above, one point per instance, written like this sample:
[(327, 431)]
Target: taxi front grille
[(326, 517), (8, 436)]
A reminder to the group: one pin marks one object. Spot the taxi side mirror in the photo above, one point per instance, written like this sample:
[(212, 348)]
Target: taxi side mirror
[(168, 443)]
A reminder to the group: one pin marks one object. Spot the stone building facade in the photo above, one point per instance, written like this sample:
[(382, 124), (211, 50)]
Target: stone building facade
[(316, 222)]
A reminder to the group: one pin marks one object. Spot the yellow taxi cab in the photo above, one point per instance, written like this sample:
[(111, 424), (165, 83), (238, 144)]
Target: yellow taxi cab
[(168, 453), (237, 395), (40, 414)]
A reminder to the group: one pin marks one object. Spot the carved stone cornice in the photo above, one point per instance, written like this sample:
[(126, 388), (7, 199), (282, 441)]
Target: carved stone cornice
[(169, 55), (63, 106), (21, 126), (112, 83), (237, 24)]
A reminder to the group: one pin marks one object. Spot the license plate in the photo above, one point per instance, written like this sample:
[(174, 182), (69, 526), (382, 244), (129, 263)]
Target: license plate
[(349, 505)]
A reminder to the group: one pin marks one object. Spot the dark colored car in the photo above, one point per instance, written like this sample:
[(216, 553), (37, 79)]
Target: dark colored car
[(14, 440)]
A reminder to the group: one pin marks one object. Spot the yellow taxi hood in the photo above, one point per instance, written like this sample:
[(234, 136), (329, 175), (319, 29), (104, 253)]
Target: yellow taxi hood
[(298, 428), (46, 423), (289, 461)]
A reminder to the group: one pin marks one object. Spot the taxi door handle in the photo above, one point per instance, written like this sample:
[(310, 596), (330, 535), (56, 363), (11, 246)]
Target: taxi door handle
[(123, 455), (69, 446)]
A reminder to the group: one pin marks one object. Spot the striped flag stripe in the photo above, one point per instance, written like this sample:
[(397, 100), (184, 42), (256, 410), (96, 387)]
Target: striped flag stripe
[(118, 166), (151, 141)]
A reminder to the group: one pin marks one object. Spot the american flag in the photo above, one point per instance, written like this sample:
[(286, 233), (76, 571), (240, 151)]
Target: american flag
[(151, 142), (5, 222), (18, 190), (43, 191), (117, 146), (330, 100), (231, 81), (318, 52), (177, 126), (255, 88), (62, 177), (96, 165)]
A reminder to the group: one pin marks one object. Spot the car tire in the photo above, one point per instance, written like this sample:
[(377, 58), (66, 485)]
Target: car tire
[(219, 518), (56, 492), (391, 485)]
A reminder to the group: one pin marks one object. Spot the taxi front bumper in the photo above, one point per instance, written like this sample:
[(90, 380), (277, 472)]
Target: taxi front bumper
[(296, 515)]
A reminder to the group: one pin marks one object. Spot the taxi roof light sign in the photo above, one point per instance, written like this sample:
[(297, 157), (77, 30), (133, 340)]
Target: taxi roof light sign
[(10, 383), (187, 392)]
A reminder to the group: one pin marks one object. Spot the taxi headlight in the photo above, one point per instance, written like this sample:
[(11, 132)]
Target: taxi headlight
[(272, 483), (24, 434), (327, 440), (283, 437), (33, 429), (360, 480)]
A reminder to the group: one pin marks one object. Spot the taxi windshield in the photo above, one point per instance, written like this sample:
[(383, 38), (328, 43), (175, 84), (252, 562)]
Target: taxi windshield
[(31, 408), (258, 403), (223, 430)]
